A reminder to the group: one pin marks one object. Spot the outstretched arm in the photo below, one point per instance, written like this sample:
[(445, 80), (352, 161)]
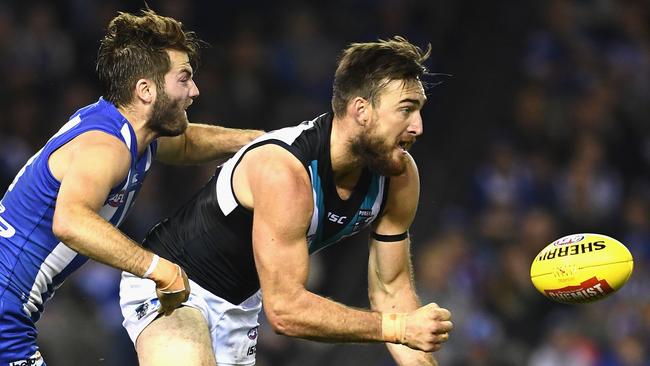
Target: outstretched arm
[(203, 143), (390, 275)]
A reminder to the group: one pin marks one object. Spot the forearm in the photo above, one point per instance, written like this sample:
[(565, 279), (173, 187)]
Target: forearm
[(405, 356), (402, 300), (84, 231), (204, 143), (314, 317)]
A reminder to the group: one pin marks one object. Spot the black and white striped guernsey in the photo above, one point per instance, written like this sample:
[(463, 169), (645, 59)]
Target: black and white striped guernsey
[(210, 236)]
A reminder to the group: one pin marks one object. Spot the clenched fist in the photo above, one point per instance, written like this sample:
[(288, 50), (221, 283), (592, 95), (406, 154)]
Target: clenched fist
[(427, 328)]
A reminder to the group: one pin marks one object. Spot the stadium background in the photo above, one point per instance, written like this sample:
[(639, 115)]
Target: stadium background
[(541, 131)]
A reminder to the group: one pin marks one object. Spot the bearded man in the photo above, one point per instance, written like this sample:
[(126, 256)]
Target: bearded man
[(65, 204), (245, 238)]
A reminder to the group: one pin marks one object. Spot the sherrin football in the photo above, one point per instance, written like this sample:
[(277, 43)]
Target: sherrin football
[(581, 268)]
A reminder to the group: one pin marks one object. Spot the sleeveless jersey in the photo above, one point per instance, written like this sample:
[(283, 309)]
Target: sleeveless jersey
[(33, 262), (211, 235)]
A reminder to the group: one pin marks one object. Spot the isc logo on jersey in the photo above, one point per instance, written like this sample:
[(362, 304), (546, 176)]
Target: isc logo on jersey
[(581, 268), (336, 218)]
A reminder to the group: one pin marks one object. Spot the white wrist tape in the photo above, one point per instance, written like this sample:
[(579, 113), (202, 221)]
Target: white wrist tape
[(393, 327), (152, 266)]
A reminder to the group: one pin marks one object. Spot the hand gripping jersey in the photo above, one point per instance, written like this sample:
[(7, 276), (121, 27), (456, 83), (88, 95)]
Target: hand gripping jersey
[(211, 235), (33, 262)]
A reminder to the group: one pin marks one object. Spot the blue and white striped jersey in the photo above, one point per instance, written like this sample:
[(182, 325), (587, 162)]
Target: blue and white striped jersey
[(33, 262)]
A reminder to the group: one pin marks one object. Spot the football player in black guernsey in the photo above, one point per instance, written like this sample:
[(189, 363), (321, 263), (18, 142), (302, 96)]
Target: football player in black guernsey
[(245, 238)]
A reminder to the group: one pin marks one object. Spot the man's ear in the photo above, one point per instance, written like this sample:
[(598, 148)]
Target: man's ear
[(359, 109), (145, 90)]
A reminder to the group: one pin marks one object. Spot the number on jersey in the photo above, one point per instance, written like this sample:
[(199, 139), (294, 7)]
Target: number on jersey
[(6, 230)]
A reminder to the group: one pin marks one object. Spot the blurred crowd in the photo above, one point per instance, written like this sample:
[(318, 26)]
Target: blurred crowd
[(542, 130)]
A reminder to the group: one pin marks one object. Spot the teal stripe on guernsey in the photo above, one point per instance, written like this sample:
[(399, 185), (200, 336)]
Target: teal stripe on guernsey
[(361, 219), (357, 221), (315, 239)]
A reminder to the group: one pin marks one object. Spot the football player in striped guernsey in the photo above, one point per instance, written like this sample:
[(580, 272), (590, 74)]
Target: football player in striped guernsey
[(245, 237), (64, 205)]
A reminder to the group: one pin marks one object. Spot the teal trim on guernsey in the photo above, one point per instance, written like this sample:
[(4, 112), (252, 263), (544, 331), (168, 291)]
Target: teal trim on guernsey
[(362, 217), (315, 241)]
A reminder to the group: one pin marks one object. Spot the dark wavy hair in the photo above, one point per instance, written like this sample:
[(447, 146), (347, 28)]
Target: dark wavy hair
[(135, 47), (365, 68)]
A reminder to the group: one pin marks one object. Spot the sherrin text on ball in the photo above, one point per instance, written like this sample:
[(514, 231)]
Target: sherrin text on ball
[(581, 268)]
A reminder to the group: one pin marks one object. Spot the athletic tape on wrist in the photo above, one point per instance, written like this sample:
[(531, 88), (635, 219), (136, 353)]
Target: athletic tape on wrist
[(152, 266), (393, 327), (177, 273)]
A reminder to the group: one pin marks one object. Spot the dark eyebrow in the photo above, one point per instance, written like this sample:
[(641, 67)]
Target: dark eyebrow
[(410, 100), (186, 70)]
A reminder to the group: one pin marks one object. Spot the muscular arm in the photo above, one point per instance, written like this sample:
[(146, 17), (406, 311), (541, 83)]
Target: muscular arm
[(88, 167), (281, 194), (390, 275), (203, 143)]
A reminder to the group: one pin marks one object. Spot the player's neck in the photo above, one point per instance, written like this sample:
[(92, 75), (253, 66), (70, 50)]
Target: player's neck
[(138, 122), (345, 166)]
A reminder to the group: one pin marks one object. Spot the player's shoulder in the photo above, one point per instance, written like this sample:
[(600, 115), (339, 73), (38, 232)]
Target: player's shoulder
[(99, 140), (402, 195), (272, 159), (99, 147), (92, 152), (102, 126), (411, 165), (410, 176), (268, 175)]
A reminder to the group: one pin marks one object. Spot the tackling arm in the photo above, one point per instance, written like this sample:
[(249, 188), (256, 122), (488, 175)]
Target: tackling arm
[(88, 167), (390, 275), (203, 143)]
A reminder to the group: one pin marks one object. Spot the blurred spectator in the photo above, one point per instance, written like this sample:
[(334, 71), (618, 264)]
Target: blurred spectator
[(41, 51), (589, 190), (503, 180), (565, 345)]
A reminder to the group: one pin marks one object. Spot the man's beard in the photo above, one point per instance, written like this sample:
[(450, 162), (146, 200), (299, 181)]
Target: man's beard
[(378, 157), (167, 117)]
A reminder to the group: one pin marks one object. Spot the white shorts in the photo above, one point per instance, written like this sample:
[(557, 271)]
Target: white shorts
[(233, 327)]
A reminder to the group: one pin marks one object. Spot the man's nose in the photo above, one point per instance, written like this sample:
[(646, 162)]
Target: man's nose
[(415, 128)]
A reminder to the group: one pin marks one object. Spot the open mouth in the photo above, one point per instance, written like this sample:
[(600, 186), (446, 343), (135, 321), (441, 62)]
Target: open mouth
[(405, 145)]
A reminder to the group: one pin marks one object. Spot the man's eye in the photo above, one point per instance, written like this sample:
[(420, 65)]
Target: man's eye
[(185, 77)]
